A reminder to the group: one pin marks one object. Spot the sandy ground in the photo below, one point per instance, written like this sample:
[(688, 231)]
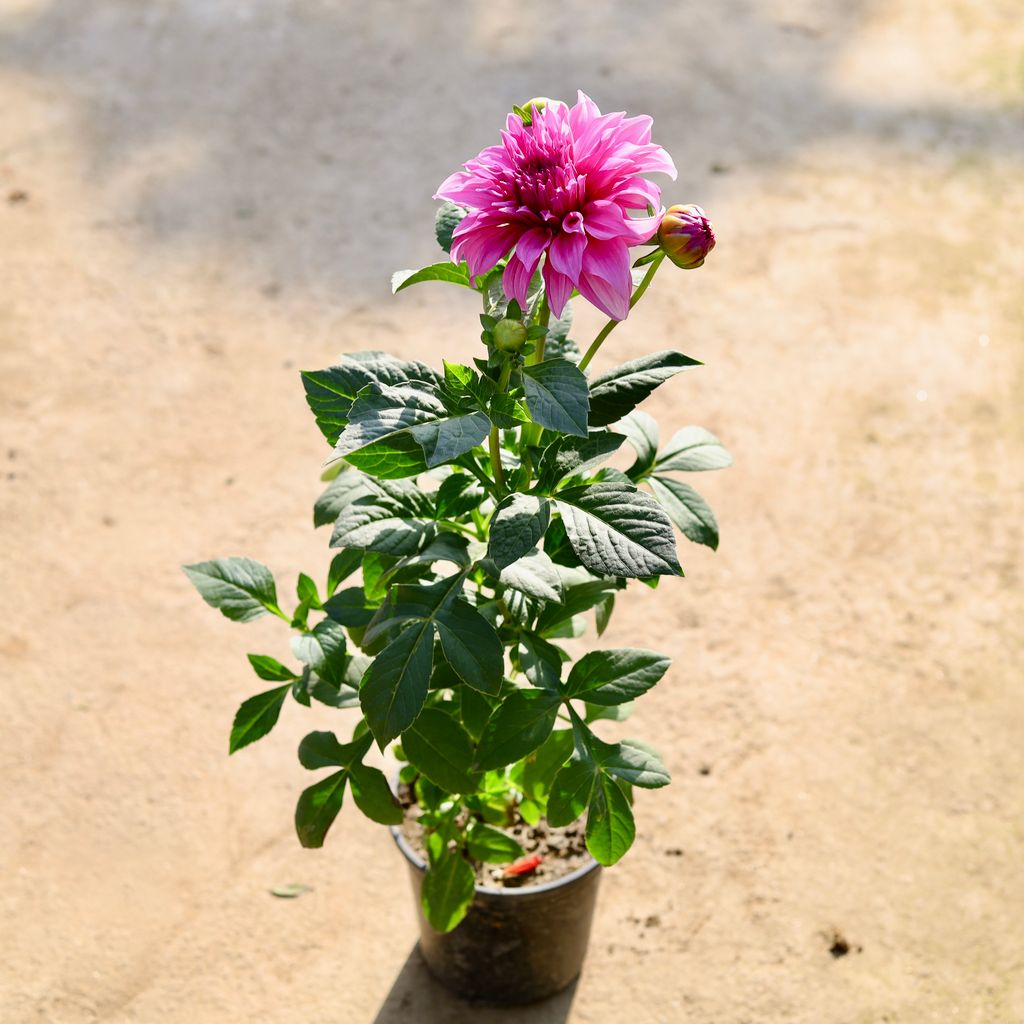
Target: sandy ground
[(198, 198)]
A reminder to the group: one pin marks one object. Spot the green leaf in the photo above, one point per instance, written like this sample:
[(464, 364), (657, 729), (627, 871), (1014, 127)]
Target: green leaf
[(458, 494), (687, 509), (616, 530), (693, 449), (541, 767), (471, 646), (343, 565), (474, 710), (610, 826), (635, 762), (615, 676), (256, 717), (491, 845), (570, 455), (331, 392), (570, 791), (517, 525), (603, 614), (389, 519), (642, 432), (620, 390), (345, 488), (324, 651), (518, 725), (579, 598), (446, 220), (558, 344), (317, 808), (395, 684), (540, 660), (448, 889), (306, 591), (556, 395), (322, 750), (388, 425), (239, 588), (270, 669), (440, 748), (449, 272), (349, 607), (373, 795), (508, 412), (534, 575)]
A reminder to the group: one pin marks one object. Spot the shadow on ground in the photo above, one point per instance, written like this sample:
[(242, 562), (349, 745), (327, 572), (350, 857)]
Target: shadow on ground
[(417, 996)]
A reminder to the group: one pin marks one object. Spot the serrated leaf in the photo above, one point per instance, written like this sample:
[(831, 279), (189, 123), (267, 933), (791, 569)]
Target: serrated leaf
[(516, 527), (687, 509), (471, 646), (615, 676), (556, 395), (610, 825), (373, 795), (577, 599), (345, 488), (241, 589), (331, 392), (457, 495), (534, 575), (620, 390), (540, 660), (384, 520), (317, 808), (541, 767), (693, 449), (324, 651), (618, 531), (571, 455), (518, 725), (447, 891), (387, 425), (395, 685), (450, 273), (349, 608), (256, 717), (442, 750)]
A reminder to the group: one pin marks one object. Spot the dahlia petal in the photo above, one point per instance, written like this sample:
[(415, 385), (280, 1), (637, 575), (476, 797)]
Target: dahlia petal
[(515, 280), (566, 253), (559, 288), (482, 249), (531, 244), (603, 219), (606, 281)]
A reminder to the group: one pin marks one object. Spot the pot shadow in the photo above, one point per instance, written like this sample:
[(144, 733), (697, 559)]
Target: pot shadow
[(417, 996)]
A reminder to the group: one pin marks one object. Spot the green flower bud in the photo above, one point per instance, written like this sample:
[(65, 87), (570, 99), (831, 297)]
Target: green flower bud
[(509, 335)]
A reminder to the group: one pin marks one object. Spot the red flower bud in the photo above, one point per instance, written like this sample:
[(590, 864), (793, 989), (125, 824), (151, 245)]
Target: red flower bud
[(686, 236)]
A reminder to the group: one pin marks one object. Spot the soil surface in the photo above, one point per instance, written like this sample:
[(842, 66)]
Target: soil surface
[(561, 850), (200, 197)]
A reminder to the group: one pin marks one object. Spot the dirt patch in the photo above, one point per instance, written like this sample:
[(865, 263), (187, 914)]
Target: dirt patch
[(561, 850)]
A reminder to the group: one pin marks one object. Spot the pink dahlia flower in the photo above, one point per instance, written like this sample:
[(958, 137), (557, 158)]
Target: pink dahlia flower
[(564, 186)]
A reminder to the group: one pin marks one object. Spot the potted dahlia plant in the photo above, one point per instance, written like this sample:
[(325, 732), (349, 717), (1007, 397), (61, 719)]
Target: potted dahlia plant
[(477, 526)]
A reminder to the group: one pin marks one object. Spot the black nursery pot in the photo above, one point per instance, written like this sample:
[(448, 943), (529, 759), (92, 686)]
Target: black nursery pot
[(514, 945)]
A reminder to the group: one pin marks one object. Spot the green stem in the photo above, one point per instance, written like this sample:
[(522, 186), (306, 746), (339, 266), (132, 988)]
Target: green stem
[(612, 324), (531, 431), (494, 442)]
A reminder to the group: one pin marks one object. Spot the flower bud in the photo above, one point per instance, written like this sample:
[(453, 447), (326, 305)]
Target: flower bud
[(509, 335), (686, 236)]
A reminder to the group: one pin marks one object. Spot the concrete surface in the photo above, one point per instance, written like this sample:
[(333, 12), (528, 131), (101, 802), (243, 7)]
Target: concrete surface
[(198, 198)]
